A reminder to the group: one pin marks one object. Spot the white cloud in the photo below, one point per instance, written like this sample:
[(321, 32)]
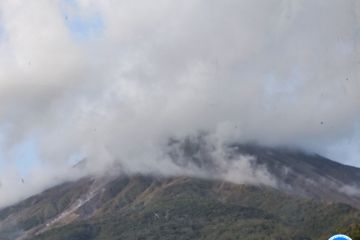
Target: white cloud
[(276, 72)]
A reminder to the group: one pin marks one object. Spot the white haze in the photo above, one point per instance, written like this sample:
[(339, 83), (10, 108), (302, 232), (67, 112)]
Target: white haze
[(277, 72)]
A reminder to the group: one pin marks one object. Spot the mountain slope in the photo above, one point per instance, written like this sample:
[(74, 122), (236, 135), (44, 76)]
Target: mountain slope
[(173, 208), (308, 175), (293, 171), (307, 203)]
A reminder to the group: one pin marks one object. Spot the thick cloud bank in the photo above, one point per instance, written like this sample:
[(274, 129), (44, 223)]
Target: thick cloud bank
[(115, 80)]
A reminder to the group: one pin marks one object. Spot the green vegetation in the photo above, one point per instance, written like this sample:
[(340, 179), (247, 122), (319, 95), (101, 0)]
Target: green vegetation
[(352, 231), (177, 208), (184, 208)]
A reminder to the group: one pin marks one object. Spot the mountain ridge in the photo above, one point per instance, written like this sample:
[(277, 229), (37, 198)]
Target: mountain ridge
[(159, 207)]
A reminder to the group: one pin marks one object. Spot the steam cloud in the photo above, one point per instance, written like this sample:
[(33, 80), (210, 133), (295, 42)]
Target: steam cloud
[(113, 81)]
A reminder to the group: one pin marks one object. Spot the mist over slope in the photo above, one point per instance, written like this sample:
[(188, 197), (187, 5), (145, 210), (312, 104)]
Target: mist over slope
[(303, 196)]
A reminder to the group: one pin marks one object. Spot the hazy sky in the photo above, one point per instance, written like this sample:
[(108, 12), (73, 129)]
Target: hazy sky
[(114, 80)]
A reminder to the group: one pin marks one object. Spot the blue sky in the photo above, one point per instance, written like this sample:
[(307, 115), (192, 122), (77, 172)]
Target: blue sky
[(26, 156), (82, 27), (23, 156)]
